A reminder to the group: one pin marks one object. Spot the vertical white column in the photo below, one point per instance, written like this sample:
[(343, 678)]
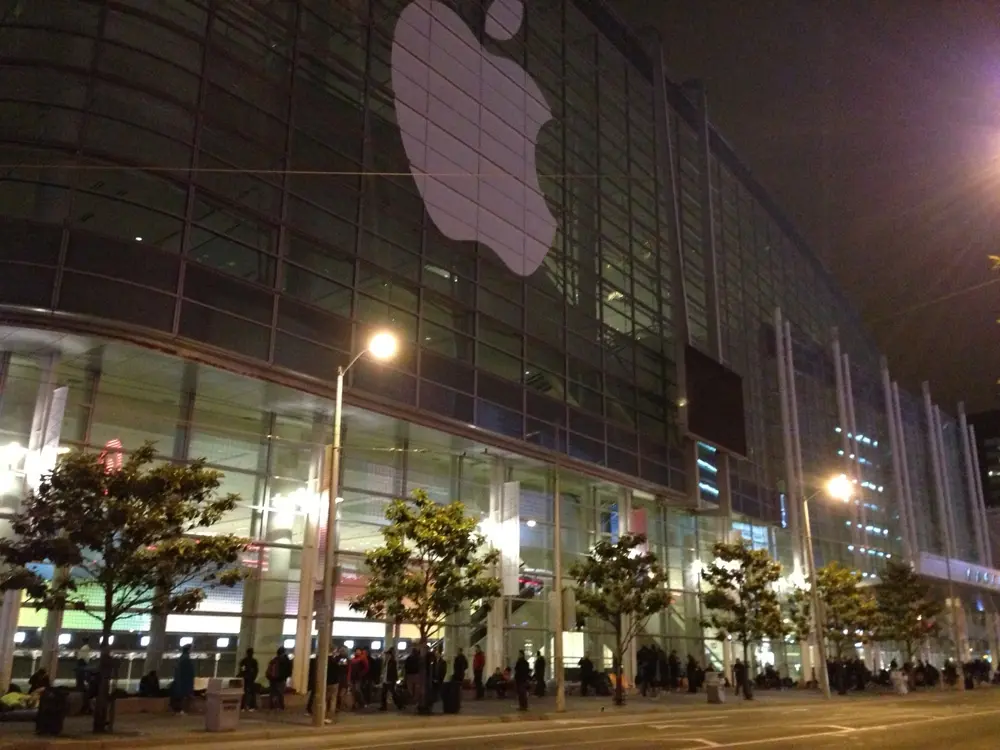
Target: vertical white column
[(791, 483), (630, 657), (309, 567), (897, 448), (845, 445), (946, 483), (33, 467), (937, 464), (48, 455), (971, 480), (932, 447), (794, 466), (984, 518), (855, 450), (495, 620), (905, 467)]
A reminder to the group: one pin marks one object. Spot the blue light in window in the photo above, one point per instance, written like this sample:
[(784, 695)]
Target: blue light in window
[(708, 488), (707, 466)]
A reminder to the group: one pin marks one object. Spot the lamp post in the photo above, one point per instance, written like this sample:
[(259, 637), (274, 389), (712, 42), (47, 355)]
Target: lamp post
[(381, 346), (838, 488)]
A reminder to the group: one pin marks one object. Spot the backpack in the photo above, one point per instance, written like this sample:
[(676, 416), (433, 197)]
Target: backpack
[(273, 669)]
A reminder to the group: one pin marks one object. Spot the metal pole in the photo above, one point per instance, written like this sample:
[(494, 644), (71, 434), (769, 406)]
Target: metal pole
[(557, 651), (329, 565), (824, 674)]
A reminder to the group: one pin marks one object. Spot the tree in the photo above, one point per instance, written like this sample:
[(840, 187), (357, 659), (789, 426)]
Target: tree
[(428, 569), (123, 537), (848, 611), (907, 614), (741, 597), (622, 584)]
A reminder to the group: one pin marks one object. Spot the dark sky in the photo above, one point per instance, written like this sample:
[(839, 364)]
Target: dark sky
[(876, 126)]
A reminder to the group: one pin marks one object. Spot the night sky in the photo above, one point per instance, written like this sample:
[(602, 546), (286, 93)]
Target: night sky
[(876, 126)]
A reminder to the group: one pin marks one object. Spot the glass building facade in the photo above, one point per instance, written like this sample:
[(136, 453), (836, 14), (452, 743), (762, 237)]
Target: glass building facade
[(207, 206)]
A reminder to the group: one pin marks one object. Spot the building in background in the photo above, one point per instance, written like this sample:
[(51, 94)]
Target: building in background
[(207, 207)]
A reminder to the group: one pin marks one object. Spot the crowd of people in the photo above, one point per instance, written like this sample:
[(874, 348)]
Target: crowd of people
[(363, 678)]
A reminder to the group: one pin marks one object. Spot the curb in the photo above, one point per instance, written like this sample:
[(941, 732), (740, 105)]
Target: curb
[(278, 733), (121, 742)]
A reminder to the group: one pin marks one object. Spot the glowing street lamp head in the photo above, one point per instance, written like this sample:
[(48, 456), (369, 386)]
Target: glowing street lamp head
[(840, 488), (382, 345)]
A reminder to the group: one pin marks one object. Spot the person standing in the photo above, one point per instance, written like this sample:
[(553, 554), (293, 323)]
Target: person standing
[(540, 675), (459, 667), (278, 671), (673, 670), (183, 686), (248, 671), (478, 666), (522, 680), (739, 675), (586, 674), (390, 675), (411, 668)]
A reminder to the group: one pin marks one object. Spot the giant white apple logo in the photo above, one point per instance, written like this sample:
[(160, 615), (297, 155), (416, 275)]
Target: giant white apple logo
[(469, 122)]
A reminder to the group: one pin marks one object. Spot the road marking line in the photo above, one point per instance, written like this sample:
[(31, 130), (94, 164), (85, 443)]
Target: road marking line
[(815, 735), (698, 715)]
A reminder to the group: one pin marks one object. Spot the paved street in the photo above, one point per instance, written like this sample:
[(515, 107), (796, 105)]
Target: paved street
[(932, 721), (936, 721)]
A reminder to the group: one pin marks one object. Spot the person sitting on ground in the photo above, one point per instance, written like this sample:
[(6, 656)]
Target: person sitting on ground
[(497, 682), (149, 685)]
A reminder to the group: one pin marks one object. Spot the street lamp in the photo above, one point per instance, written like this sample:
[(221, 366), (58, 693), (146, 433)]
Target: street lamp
[(838, 488), (381, 346)]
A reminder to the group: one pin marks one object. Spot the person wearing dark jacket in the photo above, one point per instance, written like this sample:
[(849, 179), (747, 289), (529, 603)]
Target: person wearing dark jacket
[(459, 667), (586, 674), (279, 669), (411, 670), (673, 670), (248, 671), (390, 676), (522, 680), (540, 675)]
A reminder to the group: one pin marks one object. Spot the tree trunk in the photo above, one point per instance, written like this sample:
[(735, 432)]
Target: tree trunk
[(747, 673), (619, 663), (102, 701), (619, 688), (424, 679)]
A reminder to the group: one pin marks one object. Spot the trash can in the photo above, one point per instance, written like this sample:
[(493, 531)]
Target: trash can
[(713, 688), (53, 705), (222, 704)]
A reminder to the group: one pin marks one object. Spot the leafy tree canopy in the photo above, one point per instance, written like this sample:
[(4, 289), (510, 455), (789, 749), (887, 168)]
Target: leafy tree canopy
[(740, 593), (622, 584), (430, 565), (123, 533), (121, 536), (849, 610), (906, 611)]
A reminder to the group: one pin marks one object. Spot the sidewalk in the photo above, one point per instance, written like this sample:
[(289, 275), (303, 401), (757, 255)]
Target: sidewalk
[(155, 730)]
